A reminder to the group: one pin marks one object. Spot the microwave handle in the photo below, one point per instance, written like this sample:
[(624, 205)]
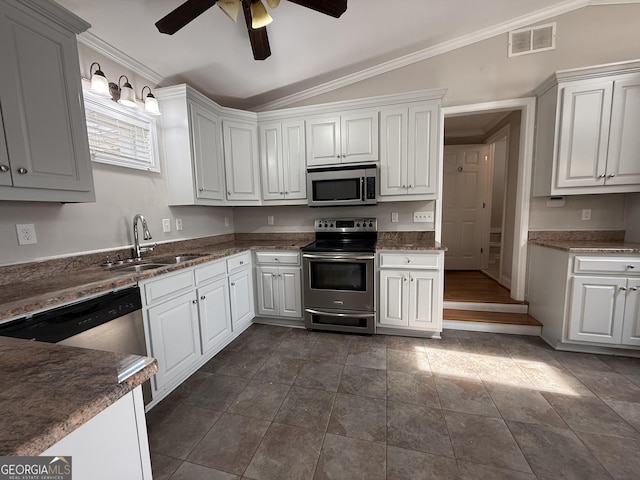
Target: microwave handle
[(363, 187)]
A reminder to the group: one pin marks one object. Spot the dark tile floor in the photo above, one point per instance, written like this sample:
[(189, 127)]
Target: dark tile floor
[(281, 404)]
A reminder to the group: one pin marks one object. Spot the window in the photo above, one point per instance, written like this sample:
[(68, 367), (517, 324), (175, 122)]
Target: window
[(120, 135)]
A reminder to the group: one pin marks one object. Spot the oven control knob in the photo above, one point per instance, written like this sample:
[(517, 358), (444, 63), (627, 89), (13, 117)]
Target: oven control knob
[(319, 225), (371, 224), (325, 225), (357, 224), (331, 225)]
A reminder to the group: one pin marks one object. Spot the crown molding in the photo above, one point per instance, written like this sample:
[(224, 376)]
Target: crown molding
[(118, 56), (420, 55), (58, 14)]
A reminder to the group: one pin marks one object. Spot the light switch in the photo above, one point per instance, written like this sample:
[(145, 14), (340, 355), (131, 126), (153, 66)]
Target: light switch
[(270, 220), (178, 224), (166, 225), (394, 217)]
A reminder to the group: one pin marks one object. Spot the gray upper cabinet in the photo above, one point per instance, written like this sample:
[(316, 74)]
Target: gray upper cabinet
[(44, 152), (241, 161), (587, 139)]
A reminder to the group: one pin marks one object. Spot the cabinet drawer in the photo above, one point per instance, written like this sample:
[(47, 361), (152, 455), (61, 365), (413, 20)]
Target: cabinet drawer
[(210, 271), (168, 287), (615, 265), (278, 258), (238, 261), (410, 260)]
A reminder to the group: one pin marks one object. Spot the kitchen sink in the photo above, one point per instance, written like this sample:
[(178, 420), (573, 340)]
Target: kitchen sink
[(177, 259), (142, 268)]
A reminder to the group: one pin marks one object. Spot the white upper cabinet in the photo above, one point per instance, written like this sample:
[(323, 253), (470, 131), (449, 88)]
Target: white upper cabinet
[(587, 139), (241, 161), (44, 152), (282, 162), (346, 138), (192, 144), (409, 146)]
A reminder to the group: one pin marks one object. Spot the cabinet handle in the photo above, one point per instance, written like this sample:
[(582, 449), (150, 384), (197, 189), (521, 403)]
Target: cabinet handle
[(23, 171), (202, 297), (194, 301), (4, 168)]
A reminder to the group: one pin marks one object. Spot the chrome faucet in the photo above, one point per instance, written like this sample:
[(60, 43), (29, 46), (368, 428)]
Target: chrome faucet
[(138, 250)]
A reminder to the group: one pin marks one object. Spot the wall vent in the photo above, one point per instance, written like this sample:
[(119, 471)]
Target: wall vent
[(532, 39)]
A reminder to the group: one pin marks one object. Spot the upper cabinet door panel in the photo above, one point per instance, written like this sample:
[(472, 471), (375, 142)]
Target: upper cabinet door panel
[(241, 161), (423, 149), (323, 141), (5, 170), (206, 139), (360, 137), (44, 122), (393, 151), (271, 158), (623, 162), (584, 134), (293, 160)]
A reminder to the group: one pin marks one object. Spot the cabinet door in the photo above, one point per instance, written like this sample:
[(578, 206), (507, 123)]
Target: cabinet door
[(394, 298), (583, 135), (631, 329), (241, 293), (175, 340), (294, 169), (215, 315), (241, 161), (290, 286), (323, 141), (267, 284), (393, 151), (423, 303), (597, 309), (423, 142), (5, 170), (206, 148), (44, 123), (623, 160), (271, 161), (359, 132)]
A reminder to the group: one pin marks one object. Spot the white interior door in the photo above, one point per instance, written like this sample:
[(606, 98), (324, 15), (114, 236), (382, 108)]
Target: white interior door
[(462, 206)]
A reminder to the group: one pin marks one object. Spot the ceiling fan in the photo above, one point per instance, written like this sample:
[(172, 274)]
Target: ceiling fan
[(191, 9)]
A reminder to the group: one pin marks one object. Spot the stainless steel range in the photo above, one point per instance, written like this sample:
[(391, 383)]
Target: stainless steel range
[(338, 270)]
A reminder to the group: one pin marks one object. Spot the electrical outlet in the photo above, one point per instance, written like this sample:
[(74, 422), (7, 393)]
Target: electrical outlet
[(178, 224), (394, 217), (586, 214), (26, 233), (226, 221), (422, 217), (166, 225), (270, 220)]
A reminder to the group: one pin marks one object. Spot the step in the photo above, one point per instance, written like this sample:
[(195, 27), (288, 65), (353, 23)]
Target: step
[(489, 321), (488, 306)]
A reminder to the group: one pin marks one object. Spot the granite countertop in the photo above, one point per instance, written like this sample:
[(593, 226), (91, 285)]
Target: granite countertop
[(48, 390), (584, 241), (418, 241), (39, 292)]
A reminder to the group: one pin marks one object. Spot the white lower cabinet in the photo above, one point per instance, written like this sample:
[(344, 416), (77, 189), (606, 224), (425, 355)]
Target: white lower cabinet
[(585, 301), (410, 291), (192, 314), (279, 284)]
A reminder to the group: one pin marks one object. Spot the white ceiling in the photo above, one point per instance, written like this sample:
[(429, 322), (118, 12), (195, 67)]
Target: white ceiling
[(213, 54)]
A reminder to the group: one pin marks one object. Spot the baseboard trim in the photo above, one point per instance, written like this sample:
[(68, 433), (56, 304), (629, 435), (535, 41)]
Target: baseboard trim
[(493, 328), (488, 307)]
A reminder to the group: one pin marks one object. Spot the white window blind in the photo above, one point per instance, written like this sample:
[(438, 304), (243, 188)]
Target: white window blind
[(119, 135)]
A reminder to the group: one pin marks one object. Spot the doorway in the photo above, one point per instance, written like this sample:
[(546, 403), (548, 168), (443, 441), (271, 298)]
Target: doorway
[(515, 211)]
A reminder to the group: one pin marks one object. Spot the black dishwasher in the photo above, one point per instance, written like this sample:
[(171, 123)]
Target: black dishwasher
[(112, 322)]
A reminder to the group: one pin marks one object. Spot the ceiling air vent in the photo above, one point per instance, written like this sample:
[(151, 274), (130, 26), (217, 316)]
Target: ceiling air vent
[(532, 39)]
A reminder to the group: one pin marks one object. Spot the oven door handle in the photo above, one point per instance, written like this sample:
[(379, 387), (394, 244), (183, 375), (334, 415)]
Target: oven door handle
[(328, 314), (337, 257)]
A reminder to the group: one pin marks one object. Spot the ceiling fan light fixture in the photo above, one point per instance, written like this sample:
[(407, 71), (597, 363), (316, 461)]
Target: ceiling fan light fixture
[(273, 3), (127, 95), (230, 8), (259, 16)]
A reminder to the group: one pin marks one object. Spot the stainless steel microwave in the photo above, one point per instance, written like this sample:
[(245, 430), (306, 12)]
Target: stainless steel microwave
[(342, 185)]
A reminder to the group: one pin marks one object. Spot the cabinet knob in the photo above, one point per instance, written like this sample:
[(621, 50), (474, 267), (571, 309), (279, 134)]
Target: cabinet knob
[(4, 168), (23, 171), (624, 289), (286, 193), (631, 267), (601, 176), (201, 189), (611, 175), (405, 279), (241, 262), (634, 289), (344, 156), (412, 279), (281, 193), (273, 275), (233, 284), (202, 297), (404, 186), (408, 260), (194, 301), (229, 193)]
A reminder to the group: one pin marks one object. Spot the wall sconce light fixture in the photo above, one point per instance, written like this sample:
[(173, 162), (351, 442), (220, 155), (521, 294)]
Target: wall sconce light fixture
[(127, 95), (150, 102), (99, 82)]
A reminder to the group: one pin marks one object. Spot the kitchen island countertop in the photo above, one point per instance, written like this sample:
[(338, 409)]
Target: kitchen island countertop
[(47, 391)]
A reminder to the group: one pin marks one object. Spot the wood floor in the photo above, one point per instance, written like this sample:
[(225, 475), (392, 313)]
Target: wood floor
[(474, 286)]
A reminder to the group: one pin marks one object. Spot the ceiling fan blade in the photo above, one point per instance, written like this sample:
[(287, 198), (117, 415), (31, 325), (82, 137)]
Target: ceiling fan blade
[(189, 10), (333, 8), (258, 37)]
